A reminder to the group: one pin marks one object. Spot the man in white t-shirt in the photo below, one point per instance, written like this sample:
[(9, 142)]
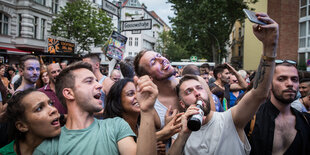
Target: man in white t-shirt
[(222, 133)]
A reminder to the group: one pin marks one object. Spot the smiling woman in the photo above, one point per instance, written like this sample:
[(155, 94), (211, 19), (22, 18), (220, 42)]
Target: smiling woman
[(31, 117)]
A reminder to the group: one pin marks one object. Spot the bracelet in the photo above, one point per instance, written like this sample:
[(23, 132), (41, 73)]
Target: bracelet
[(267, 58)]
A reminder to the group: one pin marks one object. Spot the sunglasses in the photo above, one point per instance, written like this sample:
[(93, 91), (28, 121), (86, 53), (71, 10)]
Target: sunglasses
[(285, 61)]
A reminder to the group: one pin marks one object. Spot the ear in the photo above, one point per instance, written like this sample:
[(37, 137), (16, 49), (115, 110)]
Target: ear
[(21, 72), (97, 64), (68, 93), (182, 104), (21, 126)]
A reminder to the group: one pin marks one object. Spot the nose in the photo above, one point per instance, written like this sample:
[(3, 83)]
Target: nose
[(98, 85), (196, 93), (53, 110)]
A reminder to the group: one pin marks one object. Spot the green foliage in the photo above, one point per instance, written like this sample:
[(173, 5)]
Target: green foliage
[(82, 22), (202, 27), (171, 50)]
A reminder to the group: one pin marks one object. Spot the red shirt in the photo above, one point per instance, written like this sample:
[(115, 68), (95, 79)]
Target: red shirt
[(52, 95)]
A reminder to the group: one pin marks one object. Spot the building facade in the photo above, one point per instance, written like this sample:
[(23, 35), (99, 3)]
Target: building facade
[(304, 32), (25, 25), (285, 13)]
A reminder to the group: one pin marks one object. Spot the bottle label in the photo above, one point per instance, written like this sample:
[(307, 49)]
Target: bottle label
[(199, 116)]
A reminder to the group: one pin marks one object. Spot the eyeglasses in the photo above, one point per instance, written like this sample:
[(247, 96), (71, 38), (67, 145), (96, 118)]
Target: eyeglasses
[(285, 61)]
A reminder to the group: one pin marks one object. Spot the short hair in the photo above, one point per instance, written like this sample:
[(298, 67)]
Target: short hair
[(183, 79), (205, 65), (113, 101), (139, 70), (66, 79), (93, 56), (304, 80), (127, 69), (191, 70), (219, 69), (15, 112), (23, 59), (243, 73)]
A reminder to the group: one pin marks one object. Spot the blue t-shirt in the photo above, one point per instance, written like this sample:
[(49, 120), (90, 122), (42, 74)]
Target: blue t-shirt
[(233, 98)]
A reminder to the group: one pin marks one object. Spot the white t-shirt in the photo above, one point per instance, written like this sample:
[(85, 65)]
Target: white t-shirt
[(219, 136)]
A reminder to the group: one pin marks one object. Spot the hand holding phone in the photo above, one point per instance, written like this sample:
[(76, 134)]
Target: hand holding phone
[(252, 17)]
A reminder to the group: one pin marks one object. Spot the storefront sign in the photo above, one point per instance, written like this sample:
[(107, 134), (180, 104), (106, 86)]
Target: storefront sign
[(58, 46)]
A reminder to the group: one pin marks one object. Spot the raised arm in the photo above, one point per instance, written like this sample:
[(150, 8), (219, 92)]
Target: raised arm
[(242, 84), (146, 95), (249, 104)]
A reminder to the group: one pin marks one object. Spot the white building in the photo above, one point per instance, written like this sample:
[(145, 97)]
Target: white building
[(137, 40), (25, 25)]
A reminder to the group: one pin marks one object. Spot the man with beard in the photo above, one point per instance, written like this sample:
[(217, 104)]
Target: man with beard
[(30, 72), (78, 89), (222, 133), (221, 86), (162, 73), (280, 129), (53, 71)]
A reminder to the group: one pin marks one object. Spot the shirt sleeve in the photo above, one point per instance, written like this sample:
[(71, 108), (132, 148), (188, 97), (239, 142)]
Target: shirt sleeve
[(123, 129), (49, 146)]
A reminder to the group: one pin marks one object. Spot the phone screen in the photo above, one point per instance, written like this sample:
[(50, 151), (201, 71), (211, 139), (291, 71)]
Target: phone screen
[(252, 17)]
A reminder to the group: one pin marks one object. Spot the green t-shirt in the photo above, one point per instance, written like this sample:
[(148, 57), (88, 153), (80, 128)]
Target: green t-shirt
[(100, 137), (8, 149)]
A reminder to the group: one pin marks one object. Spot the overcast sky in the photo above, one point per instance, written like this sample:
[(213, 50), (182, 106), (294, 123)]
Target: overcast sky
[(161, 7)]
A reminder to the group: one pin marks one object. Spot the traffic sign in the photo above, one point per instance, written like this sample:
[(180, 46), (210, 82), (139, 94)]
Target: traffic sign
[(193, 58), (110, 7), (137, 25)]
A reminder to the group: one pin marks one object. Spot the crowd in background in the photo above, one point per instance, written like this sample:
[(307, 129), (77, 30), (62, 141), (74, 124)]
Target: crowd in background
[(143, 106)]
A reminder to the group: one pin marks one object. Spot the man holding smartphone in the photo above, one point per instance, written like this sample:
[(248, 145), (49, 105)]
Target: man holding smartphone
[(222, 133)]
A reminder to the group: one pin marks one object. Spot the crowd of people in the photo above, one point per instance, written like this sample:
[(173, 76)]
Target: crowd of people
[(143, 106)]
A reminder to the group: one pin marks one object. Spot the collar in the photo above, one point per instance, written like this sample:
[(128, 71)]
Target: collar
[(47, 87), (273, 112)]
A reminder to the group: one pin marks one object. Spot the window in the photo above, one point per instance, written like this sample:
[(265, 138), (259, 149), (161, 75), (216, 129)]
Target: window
[(130, 41), (153, 34), (136, 53), (136, 41), (42, 2), (42, 28), (20, 24), (55, 4), (130, 53), (35, 31), (4, 24), (302, 34), (239, 32)]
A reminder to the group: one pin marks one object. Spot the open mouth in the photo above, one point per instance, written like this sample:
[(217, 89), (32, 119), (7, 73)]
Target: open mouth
[(97, 96), (55, 121), (165, 64), (136, 104)]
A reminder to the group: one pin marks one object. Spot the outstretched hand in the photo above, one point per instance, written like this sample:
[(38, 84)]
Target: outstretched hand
[(267, 34), (147, 93)]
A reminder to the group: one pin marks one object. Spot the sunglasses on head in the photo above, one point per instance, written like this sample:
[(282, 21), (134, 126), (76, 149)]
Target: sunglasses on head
[(285, 61)]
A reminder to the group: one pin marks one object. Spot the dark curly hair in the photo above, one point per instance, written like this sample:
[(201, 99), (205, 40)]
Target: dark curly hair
[(16, 112)]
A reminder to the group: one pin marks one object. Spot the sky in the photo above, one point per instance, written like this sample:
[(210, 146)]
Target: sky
[(161, 7)]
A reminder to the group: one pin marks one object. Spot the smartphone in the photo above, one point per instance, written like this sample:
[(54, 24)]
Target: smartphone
[(252, 17)]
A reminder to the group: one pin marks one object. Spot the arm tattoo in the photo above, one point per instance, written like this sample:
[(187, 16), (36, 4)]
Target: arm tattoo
[(259, 77)]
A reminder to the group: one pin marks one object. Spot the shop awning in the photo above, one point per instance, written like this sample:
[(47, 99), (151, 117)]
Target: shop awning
[(14, 51)]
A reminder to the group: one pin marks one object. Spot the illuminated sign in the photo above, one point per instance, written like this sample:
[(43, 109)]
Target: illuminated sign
[(58, 46)]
